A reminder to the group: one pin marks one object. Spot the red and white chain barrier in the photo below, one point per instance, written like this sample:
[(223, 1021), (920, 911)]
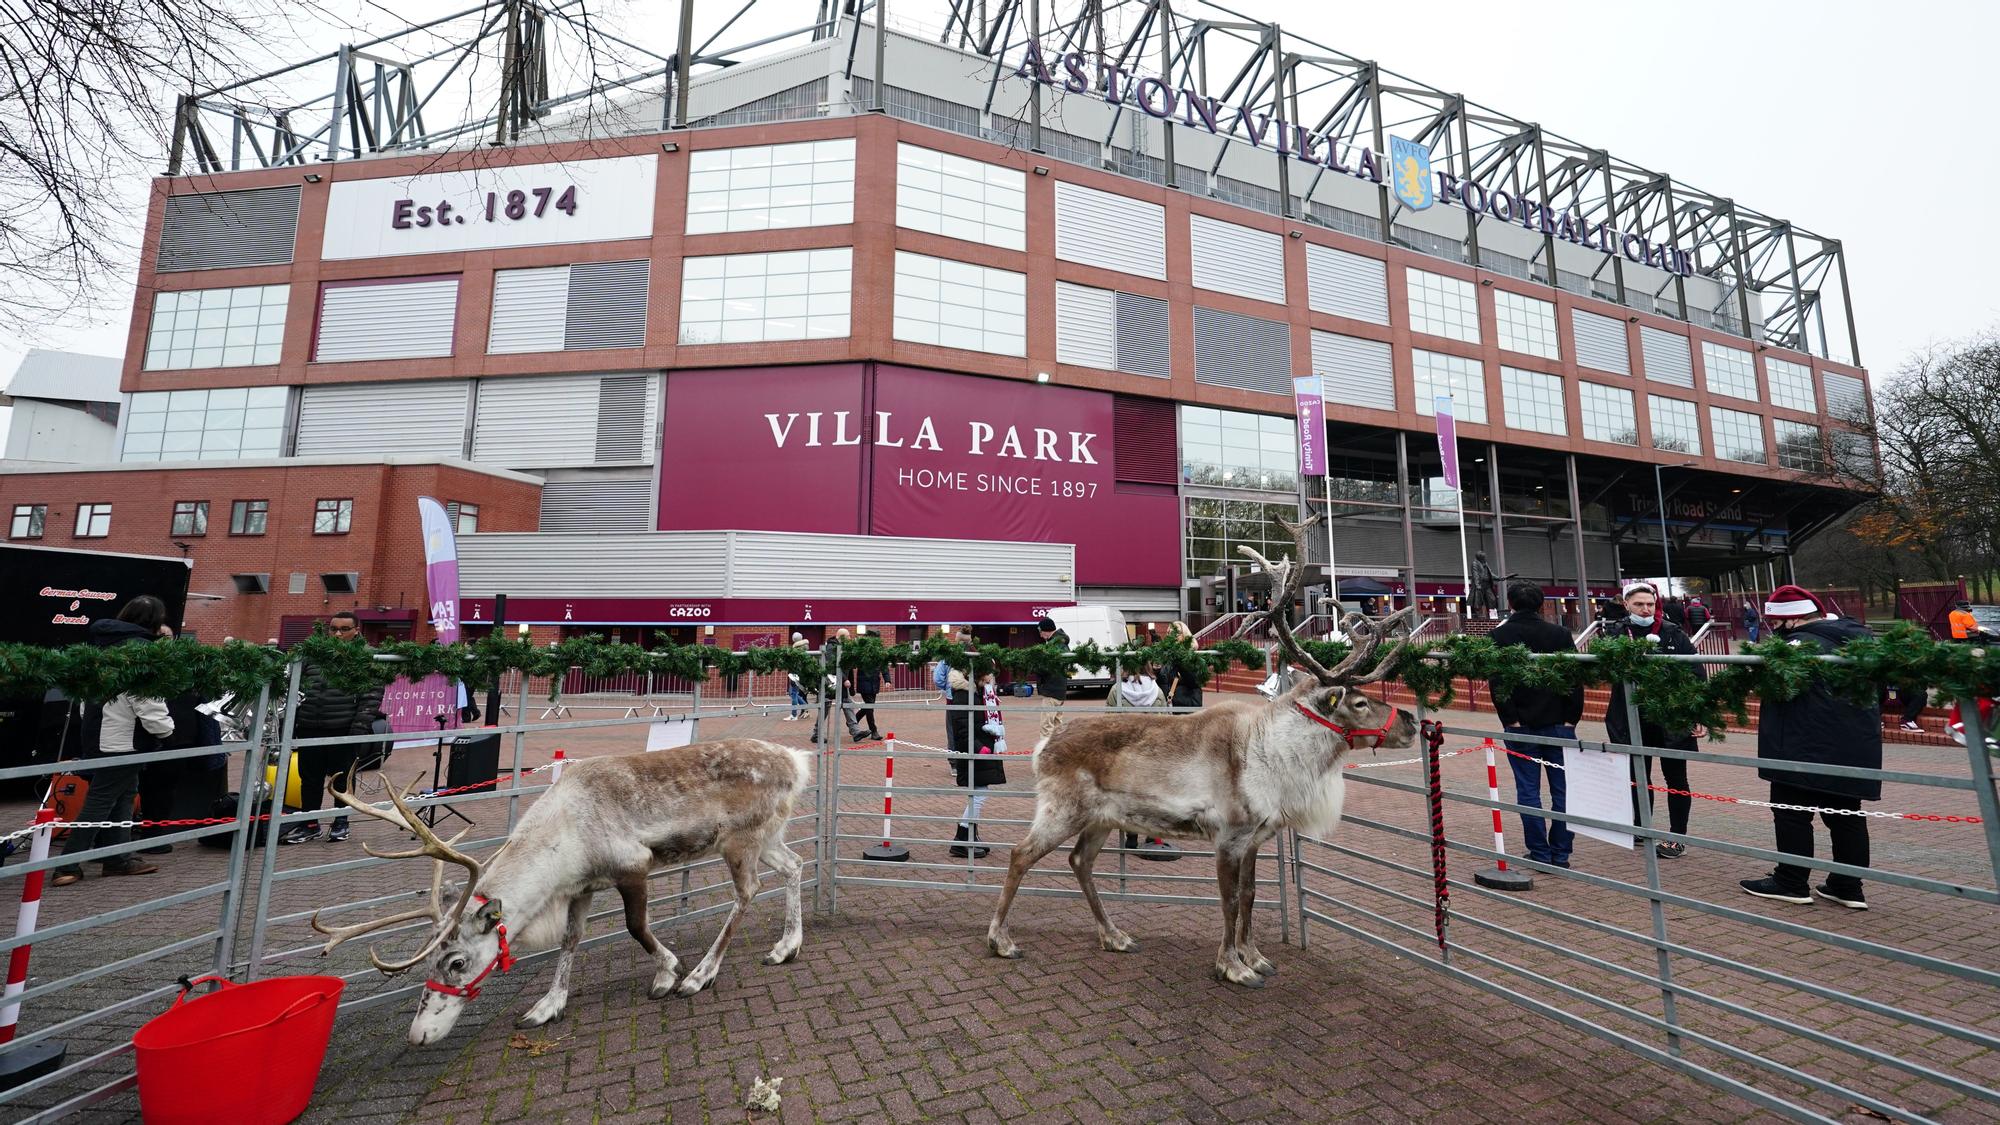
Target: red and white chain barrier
[(24, 922)]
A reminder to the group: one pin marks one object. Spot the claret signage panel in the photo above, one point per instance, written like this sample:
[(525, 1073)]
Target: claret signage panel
[(889, 450)]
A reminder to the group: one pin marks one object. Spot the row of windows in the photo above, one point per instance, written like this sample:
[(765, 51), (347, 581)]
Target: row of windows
[(190, 519)]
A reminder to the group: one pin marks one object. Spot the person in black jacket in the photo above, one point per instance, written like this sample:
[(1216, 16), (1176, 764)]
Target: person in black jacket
[(1545, 714), (1643, 618), (865, 684), (1052, 686), (327, 712), (1816, 727)]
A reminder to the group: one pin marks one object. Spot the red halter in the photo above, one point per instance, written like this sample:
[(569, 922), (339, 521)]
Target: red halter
[(1348, 733), (503, 961)]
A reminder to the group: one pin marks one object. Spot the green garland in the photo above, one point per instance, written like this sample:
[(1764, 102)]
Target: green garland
[(1669, 693)]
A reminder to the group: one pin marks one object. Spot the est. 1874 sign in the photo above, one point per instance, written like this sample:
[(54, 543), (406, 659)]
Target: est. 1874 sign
[(492, 208)]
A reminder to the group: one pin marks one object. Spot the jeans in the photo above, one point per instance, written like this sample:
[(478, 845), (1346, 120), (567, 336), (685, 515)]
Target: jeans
[(798, 700), (1545, 840), (1795, 835), (110, 798)]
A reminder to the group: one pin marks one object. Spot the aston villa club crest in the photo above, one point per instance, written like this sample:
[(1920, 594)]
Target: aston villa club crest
[(1410, 173)]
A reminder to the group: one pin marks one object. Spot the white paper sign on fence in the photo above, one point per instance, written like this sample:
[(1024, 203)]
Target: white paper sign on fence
[(1600, 787), (669, 733)]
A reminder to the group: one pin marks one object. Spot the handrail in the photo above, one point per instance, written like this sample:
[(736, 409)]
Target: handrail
[(1232, 620), (1583, 638)]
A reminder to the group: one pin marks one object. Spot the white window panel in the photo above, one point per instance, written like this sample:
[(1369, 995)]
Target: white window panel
[(217, 327), (1799, 446), (1086, 326), (1607, 413), (1791, 384), (1526, 324), (387, 320), (1354, 372), (1345, 284), (218, 424), (1534, 400), (1440, 374), (528, 310), (742, 298), (1113, 232), (1668, 359), (1237, 260), (1442, 306), (1731, 371), (1232, 449), (1676, 428), (1600, 342), (960, 305), (1846, 397), (960, 198), (769, 187), (1738, 436)]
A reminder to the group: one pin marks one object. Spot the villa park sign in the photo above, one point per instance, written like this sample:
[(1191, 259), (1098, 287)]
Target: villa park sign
[(1407, 171)]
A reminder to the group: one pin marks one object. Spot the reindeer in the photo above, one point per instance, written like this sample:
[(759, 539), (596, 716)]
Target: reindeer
[(1234, 773), (606, 825)]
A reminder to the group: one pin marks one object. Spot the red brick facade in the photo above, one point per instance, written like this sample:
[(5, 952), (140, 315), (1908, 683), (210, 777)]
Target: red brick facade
[(382, 543)]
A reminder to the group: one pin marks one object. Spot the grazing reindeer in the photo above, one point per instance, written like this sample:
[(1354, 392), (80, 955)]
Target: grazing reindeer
[(1234, 773), (606, 825)]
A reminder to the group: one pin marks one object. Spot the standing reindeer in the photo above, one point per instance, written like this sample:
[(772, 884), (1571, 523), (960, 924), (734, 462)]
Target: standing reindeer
[(1234, 773), (606, 825)]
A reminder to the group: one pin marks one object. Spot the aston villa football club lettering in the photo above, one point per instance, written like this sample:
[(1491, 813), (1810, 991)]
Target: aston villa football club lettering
[(1407, 173)]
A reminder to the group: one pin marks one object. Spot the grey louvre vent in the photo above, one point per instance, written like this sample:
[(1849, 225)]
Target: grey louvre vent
[(1246, 352), (1142, 336), (1113, 232), (1086, 326), (607, 305), (422, 419), (1345, 284), (621, 418), (1357, 372), (1667, 356), (226, 229), (1600, 342), (619, 504)]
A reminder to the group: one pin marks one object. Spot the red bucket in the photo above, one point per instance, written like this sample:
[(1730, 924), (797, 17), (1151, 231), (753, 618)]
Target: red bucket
[(247, 1054)]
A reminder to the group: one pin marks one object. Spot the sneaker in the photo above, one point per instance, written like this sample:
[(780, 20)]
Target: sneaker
[(1853, 900), (299, 834), (340, 831), (1770, 888), (1671, 849), (791, 718), (1913, 726), (131, 867)]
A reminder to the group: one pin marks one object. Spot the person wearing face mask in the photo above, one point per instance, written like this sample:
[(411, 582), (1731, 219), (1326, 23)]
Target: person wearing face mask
[(1643, 619), (1821, 728)]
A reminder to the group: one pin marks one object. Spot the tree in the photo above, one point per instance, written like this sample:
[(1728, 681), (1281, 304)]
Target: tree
[(85, 92)]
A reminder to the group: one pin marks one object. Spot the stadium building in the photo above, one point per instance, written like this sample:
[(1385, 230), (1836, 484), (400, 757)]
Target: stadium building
[(769, 342)]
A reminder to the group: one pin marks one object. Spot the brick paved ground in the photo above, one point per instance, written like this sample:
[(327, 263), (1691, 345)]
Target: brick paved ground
[(893, 1012)]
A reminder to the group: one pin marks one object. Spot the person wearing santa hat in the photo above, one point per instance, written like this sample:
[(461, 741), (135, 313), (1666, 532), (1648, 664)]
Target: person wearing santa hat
[(1817, 727), (1644, 618)]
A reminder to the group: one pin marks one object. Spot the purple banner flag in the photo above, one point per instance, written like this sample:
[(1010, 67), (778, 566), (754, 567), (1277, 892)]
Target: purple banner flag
[(1447, 439), (440, 568), (1312, 425)]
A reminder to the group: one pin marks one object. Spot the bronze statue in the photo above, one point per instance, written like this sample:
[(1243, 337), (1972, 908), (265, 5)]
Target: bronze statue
[(1485, 593)]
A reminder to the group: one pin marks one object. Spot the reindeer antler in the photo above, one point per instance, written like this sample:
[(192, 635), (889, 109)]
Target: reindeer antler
[(1405, 619), (428, 844), (1289, 577)]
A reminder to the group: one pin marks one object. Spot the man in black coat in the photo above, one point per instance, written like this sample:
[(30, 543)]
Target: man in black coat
[(1053, 686), (1816, 728), (1644, 618), (1546, 714), (327, 712)]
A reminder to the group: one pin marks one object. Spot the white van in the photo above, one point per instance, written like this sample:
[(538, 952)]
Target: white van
[(1098, 623)]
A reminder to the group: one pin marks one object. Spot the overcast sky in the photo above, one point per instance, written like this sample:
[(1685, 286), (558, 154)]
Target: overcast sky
[(1856, 120)]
